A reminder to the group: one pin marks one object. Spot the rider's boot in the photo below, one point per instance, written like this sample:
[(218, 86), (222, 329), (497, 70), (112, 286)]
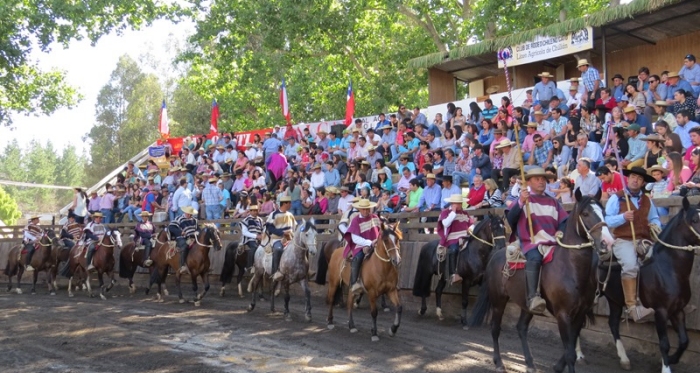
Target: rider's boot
[(276, 256), (355, 274), (148, 261), (28, 259), (90, 253), (637, 312), (251, 259), (452, 267), (535, 303), (183, 261)]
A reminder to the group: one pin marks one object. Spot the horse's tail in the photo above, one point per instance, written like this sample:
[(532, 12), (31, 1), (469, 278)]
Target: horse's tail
[(12, 263), (590, 316), (424, 272), (229, 263), (123, 266), (322, 268), (482, 307)]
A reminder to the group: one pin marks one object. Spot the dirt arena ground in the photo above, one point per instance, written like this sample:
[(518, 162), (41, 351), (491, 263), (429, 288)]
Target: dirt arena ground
[(132, 333)]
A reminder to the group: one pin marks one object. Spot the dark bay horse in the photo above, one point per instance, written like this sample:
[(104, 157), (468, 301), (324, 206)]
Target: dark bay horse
[(130, 259), (568, 284), (379, 275), (159, 268), (488, 235), (103, 260), (235, 256), (664, 284), (294, 265), (41, 261), (198, 262), (59, 254)]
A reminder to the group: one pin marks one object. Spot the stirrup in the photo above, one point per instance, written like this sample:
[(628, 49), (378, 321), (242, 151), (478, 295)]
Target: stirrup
[(29, 268), (356, 288), (640, 314), (147, 263), (251, 270), (91, 267), (277, 276), (537, 305), (455, 279), (184, 270)]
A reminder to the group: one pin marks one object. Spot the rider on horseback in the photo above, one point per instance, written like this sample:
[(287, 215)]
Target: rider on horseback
[(280, 225), (453, 225), (251, 230), (363, 232), (71, 232), (32, 234), (143, 232), (93, 232), (636, 222), (347, 217), (183, 228), (548, 217)]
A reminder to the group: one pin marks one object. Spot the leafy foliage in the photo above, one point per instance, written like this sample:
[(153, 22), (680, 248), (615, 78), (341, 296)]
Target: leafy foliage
[(9, 211)]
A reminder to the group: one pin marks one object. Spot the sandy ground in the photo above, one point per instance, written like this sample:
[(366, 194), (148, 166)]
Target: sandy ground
[(132, 333)]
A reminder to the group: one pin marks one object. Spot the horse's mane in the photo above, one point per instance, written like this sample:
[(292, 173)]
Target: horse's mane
[(209, 226), (309, 225), (668, 232), (389, 231), (480, 225)]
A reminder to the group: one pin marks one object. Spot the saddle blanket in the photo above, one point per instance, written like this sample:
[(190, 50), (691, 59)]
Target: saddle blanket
[(24, 249), (172, 250), (516, 260)]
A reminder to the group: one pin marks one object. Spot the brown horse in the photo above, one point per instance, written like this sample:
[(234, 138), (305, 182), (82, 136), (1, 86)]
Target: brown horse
[(197, 260), (103, 260), (159, 272), (41, 261), (379, 275), (568, 285), (59, 254)]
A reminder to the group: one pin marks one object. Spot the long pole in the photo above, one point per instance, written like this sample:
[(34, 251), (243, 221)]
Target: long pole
[(622, 178), (503, 55)]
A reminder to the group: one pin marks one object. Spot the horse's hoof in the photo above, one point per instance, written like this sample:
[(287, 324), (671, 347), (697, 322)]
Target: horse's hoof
[(250, 308), (438, 312), (375, 338), (355, 306), (18, 291), (531, 370), (391, 333), (70, 295), (197, 303), (330, 326), (500, 369), (308, 318), (421, 312), (465, 327), (33, 292), (353, 330), (181, 301), (626, 365), (102, 296), (221, 292), (387, 309), (132, 289), (287, 318), (165, 292), (52, 293), (277, 292), (92, 295)]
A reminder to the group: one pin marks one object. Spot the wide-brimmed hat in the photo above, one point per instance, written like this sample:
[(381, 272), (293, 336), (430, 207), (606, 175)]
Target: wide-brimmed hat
[(545, 74), (504, 144), (654, 137), (213, 179), (226, 174), (641, 172), (629, 109), (538, 171), (582, 62), (371, 148), (352, 140), (386, 127), (532, 125), (220, 147), (672, 74), (316, 166), (344, 189), (356, 199), (332, 189), (229, 160), (244, 193), (285, 199), (455, 198), (35, 217), (364, 204), (657, 167), (660, 103), (537, 112), (574, 79), (188, 210), (430, 176), (572, 88), (145, 213), (618, 76), (381, 172), (253, 207), (321, 132), (97, 215)]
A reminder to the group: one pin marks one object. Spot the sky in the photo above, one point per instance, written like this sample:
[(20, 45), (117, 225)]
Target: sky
[(88, 68)]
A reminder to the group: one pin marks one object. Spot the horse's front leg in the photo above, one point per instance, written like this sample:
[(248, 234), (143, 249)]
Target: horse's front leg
[(193, 278), (350, 305), (286, 301), (20, 272), (253, 289), (112, 282), (394, 297), (205, 280), (102, 285), (35, 277), (272, 295), (239, 279), (178, 284), (307, 295), (465, 304), (438, 297), (52, 280), (373, 311)]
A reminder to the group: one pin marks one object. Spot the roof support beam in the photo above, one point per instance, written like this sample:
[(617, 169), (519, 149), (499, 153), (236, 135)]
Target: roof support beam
[(634, 36), (647, 25)]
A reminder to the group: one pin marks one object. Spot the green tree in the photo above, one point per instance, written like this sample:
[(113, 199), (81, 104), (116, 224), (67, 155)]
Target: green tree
[(13, 168), (70, 171), (41, 169), (190, 112), (28, 24), (9, 211)]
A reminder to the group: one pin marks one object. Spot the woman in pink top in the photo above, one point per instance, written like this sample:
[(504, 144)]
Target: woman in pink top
[(679, 173)]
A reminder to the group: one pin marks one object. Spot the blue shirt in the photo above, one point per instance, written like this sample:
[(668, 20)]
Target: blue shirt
[(390, 138), (543, 92), (331, 178), (430, 196), (410, 165), (271, 145), (682, 84), (380, 124), (619, 91), (334, 143), (684, 133), (489, 113), (589, 77), (448, 192), (691, 75), (420, 119), (612, 211)]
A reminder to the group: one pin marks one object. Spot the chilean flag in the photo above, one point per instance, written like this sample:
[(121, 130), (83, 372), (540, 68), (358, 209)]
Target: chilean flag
[(214, 126), (284, 102), (350, 105), (163, 122)]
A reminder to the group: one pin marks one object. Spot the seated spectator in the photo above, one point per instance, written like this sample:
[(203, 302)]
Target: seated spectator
[(632, 117), (404, 183), (476, 192), (678, 173), (655, 146), (541, 154), (587, 182), (606, 100), (660, 186), (414, 196), (611, 182), (675, 83), (493, 197), (561, 154)]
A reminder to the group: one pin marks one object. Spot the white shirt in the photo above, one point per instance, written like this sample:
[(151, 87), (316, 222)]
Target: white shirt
[(344, 203), (190, 158), (544, 127), (252, 153), (181, 198), (317, 179), (375, 140)]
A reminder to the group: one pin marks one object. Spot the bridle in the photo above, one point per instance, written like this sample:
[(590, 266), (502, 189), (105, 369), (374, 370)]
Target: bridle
[(588, 232), (111, 239), (207, 230), (493, 238), (693, 248), (298, 242), (388, 250)]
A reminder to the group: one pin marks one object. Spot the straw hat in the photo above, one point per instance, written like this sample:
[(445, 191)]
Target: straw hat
[(538, 171), (321, 132), (344, 189), (213, 179), (371, 148), (316, 167), (532, 125), (673, 74), (188, 210), (364, 204), (381, 172), (574, 80), (654, 137), (356, 199), (430, 176), (455, 198), (35, 217), (386, 127), (573, 89), (145, 213), (660, 103), (253, 207), (545, 75), (582, 62), (657, 167), (537, 112), (352, 140), (285, 199), (97, 215), (629, 109), (505, 144), (332, 189)]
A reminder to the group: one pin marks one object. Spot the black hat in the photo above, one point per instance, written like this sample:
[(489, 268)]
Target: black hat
[(641, 172), (618, 76), (690, 57)]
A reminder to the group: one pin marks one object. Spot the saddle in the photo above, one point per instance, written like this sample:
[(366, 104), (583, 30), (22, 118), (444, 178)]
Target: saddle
[(515, 259), (643, 249), (24, 249)]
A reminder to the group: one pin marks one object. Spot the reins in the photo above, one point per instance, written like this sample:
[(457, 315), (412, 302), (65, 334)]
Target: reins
[(691, 248), (597, 226), (387, 250)]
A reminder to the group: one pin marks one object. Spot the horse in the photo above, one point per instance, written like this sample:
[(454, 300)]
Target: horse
[(159, 267), (41, 261), (59, 254), (197, 261), (488, 235), (236, 256), (568, 284), (103, 260), (129, 260), (379, 275), (294, 264), (663, 284)]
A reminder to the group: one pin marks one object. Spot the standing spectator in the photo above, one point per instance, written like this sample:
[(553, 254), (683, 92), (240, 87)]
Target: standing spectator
[(591, 82), (212, 197), (107, 206)]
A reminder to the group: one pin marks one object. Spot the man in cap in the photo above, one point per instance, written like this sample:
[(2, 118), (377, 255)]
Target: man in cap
[(690, 72), (93, 233), (184, 227), (644, 123), (638, 147), (363, 232), (71, 232), (591, 82), (143, 232), (345, 199), (251, 230), (317, 176), (430, 199), (548, 216), (637, 223), (453, 225), (280, 225), (618, 88), (323, 139), (511, 161), (31, 235)]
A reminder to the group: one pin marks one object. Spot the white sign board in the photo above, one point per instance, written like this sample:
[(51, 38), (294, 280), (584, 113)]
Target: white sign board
[(546, 47)]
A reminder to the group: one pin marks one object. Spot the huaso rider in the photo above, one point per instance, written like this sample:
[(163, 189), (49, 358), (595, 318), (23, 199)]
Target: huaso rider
[(453, 225), (363, 232), (280, 225)]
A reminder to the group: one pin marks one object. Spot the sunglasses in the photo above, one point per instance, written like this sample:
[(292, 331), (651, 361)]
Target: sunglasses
[(538, 140), (652, 81)]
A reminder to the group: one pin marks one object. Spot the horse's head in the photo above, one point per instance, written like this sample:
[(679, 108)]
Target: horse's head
[(54, 240), (692, 219), (389, 239), (112, 238), (498, 231), (211, 236), (306, 234), (590, 224)]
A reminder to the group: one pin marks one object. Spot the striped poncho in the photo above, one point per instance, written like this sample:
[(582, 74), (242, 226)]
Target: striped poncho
[(548, 216)]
